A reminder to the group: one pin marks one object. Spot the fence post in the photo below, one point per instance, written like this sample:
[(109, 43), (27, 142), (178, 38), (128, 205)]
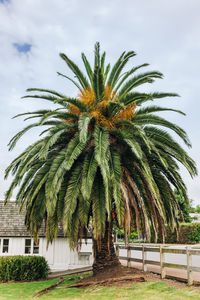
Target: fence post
[(129, 257), (189, 266), (117, 250), (144, 266), (162, 261)]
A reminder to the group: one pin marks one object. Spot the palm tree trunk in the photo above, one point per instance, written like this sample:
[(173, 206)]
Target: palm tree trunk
[(104, 251)]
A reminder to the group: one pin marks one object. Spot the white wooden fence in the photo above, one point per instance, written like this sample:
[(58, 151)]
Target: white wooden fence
[(144, 248)]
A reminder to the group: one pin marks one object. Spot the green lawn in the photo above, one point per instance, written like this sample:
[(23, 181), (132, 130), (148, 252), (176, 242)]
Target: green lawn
[(139, 291)]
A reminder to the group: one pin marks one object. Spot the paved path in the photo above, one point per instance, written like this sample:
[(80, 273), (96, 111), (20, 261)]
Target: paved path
[(169, 271), (58, 273)]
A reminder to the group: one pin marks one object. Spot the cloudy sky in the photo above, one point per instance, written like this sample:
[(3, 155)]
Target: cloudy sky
[(33, 32)]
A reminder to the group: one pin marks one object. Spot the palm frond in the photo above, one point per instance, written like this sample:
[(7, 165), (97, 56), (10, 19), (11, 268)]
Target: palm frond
[(37, 112), (101, 144), (51, 140), (133, 144), (116, 173), (74, 149), (15, 139), (136, 81), (55, 93), (88, 68), (72, 193), (113, 108), (84, 208), (127, 74), (121, 67), (98, 83), (75, 69), (103, 61), (101, 155), (133, 97), (138, 133), (107, 70), (154, 108), (115, 68), (98, 207), (81, 105), (97, 55), (89, 171), (156, 120), (153, 96), (83, 124), (70, 79)]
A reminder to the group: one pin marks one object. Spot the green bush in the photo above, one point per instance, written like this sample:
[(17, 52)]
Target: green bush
[(189, 233), (23, 268), (131, 237)]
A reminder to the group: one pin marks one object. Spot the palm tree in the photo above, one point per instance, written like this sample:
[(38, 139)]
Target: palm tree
[(103, 158)]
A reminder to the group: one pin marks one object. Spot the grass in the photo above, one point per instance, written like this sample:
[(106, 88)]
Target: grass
[(139, 291), (23, 290)]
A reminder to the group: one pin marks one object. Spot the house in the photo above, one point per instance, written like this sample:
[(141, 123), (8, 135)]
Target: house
[(16, 240)]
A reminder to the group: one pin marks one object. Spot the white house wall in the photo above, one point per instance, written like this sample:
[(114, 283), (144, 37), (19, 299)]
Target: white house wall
[(58, 255)]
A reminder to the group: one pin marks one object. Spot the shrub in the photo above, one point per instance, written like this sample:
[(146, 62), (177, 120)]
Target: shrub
[(23, 268), (131, 237), (189, 233)]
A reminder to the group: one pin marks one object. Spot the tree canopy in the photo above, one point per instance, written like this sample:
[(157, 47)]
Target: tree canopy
[(102, 156)]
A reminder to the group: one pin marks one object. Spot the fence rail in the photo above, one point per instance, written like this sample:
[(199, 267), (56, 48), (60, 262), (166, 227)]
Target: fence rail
[(188, 251)]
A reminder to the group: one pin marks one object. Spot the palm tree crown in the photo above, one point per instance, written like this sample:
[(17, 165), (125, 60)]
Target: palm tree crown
[(104, 156)]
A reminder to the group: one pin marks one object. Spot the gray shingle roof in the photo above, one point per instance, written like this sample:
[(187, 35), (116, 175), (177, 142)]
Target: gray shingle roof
[(12, 222)]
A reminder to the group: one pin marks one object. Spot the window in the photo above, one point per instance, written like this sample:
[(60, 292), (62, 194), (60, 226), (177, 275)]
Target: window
[(36, 248), (5, 245), (27, 246), (31, 247)]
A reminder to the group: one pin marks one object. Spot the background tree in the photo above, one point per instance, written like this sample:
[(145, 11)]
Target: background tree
[(197, 209), (104, 155), (185, 208)]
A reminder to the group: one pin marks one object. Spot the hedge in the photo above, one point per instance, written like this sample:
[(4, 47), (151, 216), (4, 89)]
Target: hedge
[(189, 233), (23, 268)]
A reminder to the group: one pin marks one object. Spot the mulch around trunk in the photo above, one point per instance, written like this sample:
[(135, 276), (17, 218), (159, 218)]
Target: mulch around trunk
[(121, 276), (115, 276)]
